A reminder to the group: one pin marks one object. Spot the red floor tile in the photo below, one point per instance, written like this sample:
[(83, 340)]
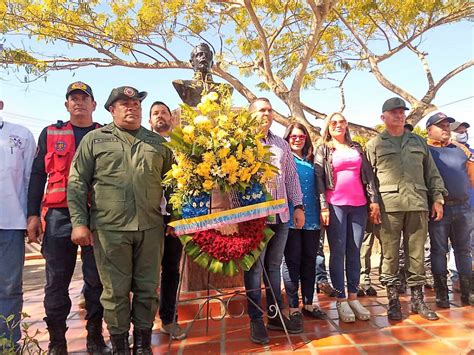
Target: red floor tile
[(331, 340), (385, 349), (463, 344), (431, 348), (449, 331), (371, 337), (339, 350), (408, 333)]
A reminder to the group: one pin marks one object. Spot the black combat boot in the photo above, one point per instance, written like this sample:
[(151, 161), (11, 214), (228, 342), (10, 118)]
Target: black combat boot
[(57, 339), (95, 340), (120, 344), (465, 282), (142, 341), (441, 288), (394, 309), (418, 305)]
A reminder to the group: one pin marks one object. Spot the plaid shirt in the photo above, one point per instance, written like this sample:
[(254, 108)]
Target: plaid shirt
[(286, 184)]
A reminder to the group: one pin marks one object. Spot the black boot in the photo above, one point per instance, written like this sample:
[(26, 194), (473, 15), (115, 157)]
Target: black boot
[(57, 340), (95, 340), (465, 282), (120, 344), (441, 288), (142, 341), (394, 309), (418, 305)]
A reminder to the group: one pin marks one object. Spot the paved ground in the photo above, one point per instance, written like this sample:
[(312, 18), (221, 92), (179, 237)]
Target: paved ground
[(452, 334)]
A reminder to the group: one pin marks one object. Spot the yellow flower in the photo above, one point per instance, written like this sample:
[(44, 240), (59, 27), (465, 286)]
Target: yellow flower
[(176, 171), (209, 157), (188, 129), (232, 179), (245, 175), (208, 185), (212, 96), (238, 152), (267, 174), (230, 165), (221, 134), (204, 170), (203, 122), (222, 153), (255, 168), (248, 155), (260, 148)]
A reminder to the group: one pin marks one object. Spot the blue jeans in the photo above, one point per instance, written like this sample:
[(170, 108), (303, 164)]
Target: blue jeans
[(321, 273), (299, 265), (12, 256), (271, 257), (456, 225), (345, 233)]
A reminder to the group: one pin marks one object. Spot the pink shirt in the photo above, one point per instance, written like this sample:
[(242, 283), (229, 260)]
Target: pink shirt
[(348, 189)]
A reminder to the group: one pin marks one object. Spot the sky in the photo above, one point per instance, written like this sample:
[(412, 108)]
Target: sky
[(40, 103)]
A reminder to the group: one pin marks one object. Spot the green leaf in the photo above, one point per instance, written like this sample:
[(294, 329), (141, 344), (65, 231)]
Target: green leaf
[(202, 260), (216, 266)]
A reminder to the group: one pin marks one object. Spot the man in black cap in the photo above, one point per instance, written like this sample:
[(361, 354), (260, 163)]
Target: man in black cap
[(460, 136), (456, 224), (408, 180), (121, 167), (56, 147)]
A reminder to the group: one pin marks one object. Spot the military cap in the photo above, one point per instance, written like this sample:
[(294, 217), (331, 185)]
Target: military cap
[(437, 118), (393, 103), (79, 86), (124, 92), (455, 125)]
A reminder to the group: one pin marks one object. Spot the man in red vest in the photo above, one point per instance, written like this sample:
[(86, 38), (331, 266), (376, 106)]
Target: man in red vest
[(56, 147)]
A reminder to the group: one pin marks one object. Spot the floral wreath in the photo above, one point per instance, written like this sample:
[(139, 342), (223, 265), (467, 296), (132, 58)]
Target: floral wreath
[(219, 148)]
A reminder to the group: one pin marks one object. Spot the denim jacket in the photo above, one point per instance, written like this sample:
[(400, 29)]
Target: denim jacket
[(325, 174)]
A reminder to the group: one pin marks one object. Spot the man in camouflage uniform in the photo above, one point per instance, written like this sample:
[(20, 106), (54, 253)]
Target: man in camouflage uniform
[(408, 179), (120, 167)]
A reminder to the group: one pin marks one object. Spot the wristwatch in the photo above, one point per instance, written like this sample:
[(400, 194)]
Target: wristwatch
[(301, 207)]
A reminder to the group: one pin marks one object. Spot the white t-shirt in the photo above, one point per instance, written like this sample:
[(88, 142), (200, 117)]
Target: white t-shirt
[(17, 151)]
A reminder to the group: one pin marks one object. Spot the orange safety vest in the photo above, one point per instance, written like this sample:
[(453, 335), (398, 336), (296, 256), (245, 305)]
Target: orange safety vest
[(60, 149)]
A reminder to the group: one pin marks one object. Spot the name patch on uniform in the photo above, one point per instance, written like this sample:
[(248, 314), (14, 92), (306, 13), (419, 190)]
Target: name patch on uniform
[(105, 140), (60, 146), (151, 141)]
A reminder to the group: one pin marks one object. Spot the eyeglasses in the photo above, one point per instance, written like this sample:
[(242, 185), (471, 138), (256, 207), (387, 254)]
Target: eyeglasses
[(334, 124), (301, 137)]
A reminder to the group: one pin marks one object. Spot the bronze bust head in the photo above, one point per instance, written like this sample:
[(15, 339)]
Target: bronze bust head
[(190, 91)]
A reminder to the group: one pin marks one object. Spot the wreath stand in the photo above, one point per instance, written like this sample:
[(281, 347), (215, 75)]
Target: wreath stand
[(225, 298)]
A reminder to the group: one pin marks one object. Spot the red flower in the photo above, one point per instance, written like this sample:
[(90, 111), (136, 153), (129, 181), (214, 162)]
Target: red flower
[(231, 247)]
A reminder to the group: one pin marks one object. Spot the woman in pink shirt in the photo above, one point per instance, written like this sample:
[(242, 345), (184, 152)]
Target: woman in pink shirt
[(346, 186)]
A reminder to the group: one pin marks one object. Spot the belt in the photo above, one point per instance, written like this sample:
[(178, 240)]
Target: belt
[(455, 202)]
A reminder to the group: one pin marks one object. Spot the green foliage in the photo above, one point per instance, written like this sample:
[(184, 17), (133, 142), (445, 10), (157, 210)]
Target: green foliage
[(28, 344)]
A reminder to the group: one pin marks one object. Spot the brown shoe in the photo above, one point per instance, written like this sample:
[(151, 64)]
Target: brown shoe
[(326, 288)]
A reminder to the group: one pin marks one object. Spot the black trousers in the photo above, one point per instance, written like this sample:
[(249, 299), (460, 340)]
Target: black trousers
[(60, 254), (169, 277)]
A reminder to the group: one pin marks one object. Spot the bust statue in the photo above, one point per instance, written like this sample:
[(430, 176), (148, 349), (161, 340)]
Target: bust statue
[(190, 91)]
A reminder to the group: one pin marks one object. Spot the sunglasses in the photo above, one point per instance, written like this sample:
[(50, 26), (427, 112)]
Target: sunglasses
[(294, 137), (334, 124)]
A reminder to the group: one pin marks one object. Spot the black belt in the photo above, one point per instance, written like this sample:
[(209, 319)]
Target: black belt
[(455, 202)]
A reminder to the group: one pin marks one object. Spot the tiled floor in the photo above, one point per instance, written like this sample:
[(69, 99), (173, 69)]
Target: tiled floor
[(453, 333)]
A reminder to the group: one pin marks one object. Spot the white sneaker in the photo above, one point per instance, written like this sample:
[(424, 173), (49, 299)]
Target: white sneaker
[(345, 312), (359, 310)]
